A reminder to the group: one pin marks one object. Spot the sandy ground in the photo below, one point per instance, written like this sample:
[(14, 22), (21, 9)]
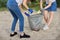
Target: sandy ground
[(52, 34)]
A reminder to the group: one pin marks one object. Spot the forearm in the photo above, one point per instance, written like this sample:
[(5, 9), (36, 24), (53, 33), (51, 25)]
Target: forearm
[(25, 4), (47, 6), (41, 3)]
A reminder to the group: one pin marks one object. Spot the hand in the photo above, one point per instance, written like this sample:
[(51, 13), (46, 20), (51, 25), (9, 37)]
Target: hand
[(42, 10), (30, 10), (26, 14)]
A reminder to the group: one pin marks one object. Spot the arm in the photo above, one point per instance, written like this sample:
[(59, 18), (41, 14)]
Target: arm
[(48, 5), (41, 3), (25, 4)]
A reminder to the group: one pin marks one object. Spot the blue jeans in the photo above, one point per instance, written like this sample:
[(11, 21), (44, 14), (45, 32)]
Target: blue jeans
[(16, 13)]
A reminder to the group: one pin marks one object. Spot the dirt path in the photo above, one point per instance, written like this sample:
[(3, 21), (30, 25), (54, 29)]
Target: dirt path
[(52, 34)]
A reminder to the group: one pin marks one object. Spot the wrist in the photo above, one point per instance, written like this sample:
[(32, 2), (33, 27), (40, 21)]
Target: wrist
[(30, 10)]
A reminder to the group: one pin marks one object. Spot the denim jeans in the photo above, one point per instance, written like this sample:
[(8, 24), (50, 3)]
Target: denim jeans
[(17, 15)]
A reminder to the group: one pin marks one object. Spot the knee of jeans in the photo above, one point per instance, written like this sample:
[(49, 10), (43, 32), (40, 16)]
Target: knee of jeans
[(15, 18)]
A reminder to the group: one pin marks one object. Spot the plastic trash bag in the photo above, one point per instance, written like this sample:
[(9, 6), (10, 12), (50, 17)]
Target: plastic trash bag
[(35, 21)]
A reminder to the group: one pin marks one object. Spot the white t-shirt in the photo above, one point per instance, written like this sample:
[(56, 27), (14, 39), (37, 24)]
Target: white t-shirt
[(19, 2), (47, 1)]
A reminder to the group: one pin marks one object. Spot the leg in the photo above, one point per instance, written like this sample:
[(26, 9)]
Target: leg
[(21, 22), (46, 20), (21, 19), (19, 15), (50, 18), (13, 24), (46, 16), (14, 21)]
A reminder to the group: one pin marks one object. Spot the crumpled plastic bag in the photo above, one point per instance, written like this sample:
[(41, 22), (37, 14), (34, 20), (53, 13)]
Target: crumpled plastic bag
[(35, 21)]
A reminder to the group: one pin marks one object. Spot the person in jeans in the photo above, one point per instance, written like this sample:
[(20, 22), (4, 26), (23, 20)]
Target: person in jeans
[(13, 7), (50, 8)]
